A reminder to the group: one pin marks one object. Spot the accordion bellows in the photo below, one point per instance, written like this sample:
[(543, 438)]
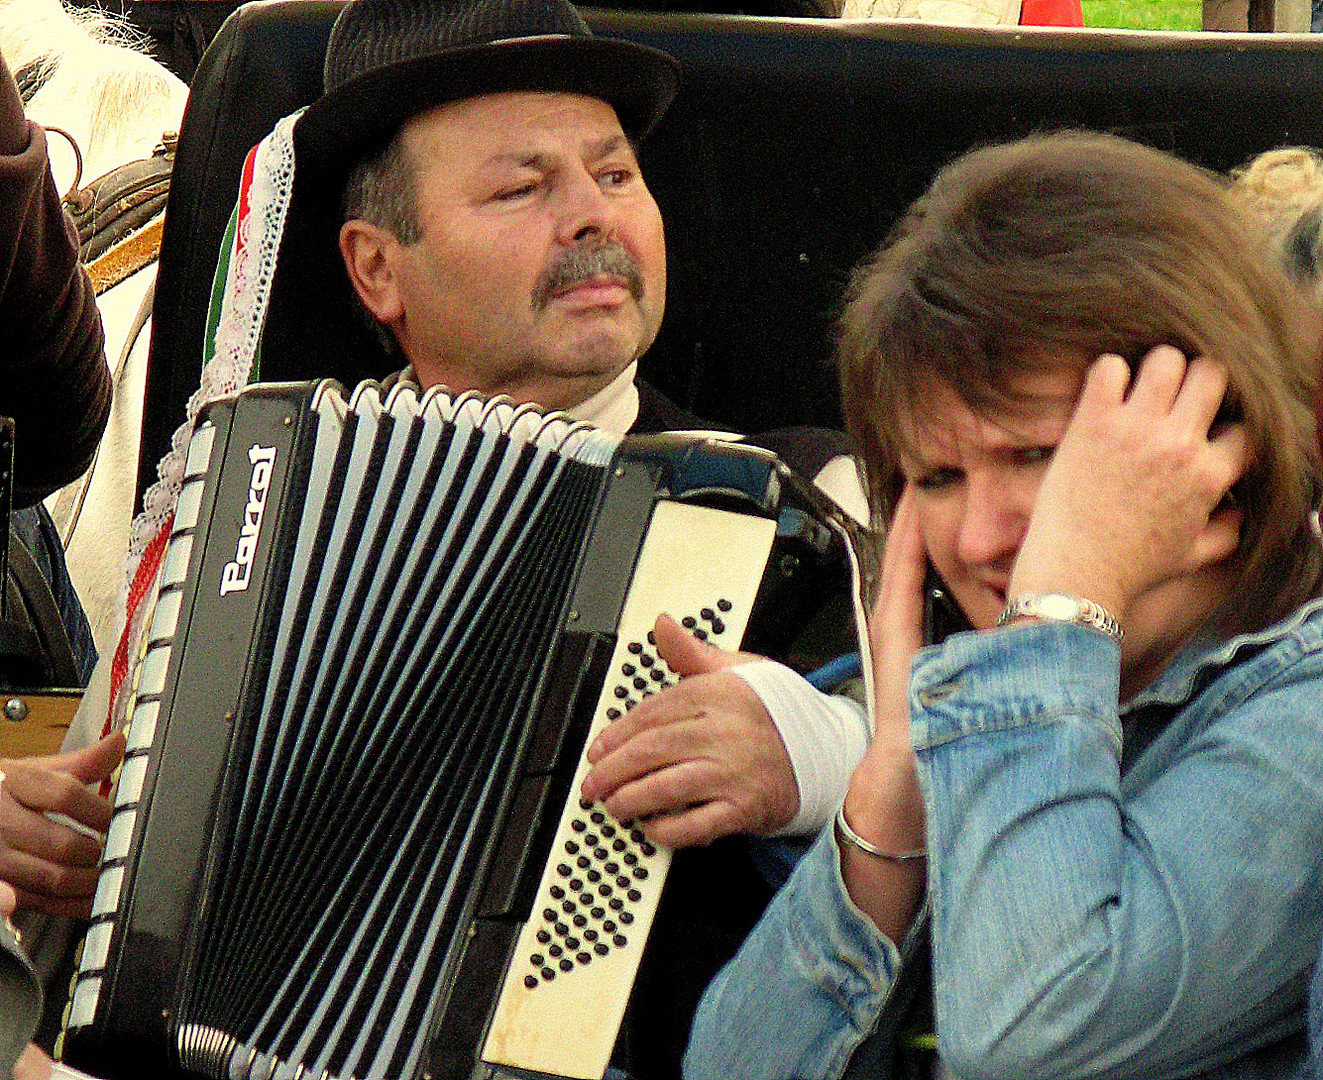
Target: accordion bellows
[(348, 840)]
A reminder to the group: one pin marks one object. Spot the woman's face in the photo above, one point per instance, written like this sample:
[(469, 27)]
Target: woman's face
[(975, 479)]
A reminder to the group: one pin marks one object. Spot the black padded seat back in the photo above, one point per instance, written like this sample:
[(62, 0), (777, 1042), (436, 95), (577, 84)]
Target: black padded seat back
[(791, 149)]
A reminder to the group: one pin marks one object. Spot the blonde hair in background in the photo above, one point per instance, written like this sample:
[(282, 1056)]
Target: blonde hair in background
[(1283, 188)]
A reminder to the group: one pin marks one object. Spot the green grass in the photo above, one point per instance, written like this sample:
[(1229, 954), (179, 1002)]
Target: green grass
[(1144, 14)]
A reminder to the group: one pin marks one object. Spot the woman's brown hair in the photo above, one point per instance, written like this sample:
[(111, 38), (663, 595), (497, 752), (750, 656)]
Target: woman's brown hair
[(1064, 247)]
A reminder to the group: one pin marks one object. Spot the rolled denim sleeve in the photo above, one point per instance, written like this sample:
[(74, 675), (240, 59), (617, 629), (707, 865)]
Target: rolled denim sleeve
[(1086, 926), (803, 991)]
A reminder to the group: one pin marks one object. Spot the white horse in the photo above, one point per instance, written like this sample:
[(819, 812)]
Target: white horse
[(116, 103)]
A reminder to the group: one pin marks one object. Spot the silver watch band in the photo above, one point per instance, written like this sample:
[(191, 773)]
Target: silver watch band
[(1061, 607)]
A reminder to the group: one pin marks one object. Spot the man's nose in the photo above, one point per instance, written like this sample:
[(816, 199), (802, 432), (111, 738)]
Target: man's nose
[(585, 210), (994, 520)]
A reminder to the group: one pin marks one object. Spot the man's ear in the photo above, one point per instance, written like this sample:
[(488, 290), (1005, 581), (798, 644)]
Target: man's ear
[(369, 254)]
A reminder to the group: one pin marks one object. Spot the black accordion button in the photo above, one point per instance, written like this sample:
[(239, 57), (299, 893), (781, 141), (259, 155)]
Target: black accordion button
[(626, 917), (634, 895), (621, 692), (561, 929), (530, 981), (583, 958), (568, 907), (572, 943), (600, 852), (600, 948), (647, 848), (548, 974), (604, 890), (566, 964), (701, 634), (591, 839), (657, 675), (636, 835), (583, 862), (635, 647), (640, 873), (549, 914), (585, 804), (611, 867), (571, 848), (652, 638), (556, 950), (537, 959), (627, 670), (543, 937), (718, 627), (586, 898), (597, 913), (723, 605), (617, 844), (593, 876), (590, 934), (620, 941), (622, 881), (576, 885), (609, 926), (616, 903), (614, 714), (597, 817), (578, 826), (645, 660), (630, 859), (707, 614), (608, 829), (580, 921), (688, 622), (564, 870), (640, 683), (557, 893)]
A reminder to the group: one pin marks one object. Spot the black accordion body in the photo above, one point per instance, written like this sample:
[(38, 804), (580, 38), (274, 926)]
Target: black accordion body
[(348, 839)]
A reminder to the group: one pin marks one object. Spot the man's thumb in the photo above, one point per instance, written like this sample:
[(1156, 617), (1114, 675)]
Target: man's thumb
[(685, 654)]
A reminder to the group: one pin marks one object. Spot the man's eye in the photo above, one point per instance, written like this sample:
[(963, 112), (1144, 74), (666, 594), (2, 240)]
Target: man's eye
[(615, 177), (511, 194)]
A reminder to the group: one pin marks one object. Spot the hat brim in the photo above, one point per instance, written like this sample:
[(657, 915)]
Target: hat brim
[(338, 128)]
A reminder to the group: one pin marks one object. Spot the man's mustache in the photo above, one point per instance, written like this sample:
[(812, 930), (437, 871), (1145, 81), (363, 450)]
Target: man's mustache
[(583, 264)]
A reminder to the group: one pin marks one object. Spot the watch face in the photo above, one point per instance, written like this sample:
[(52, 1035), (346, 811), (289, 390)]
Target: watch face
[(1056, 606)]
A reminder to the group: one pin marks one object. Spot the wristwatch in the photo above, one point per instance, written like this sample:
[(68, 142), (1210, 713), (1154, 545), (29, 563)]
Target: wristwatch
[(1061, 607)]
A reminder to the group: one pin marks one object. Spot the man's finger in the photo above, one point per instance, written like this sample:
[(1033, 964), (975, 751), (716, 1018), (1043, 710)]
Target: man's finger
[(693, 827), (60, 792), (685, 654)]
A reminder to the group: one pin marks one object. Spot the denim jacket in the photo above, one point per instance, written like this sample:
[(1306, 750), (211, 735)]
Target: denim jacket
[(1151, 917)]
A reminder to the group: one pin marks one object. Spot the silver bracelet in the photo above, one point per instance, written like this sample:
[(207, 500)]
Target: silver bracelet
[(855, 840), (1061, 607)]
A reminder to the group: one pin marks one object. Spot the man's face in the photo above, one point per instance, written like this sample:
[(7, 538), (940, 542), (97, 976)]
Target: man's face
[(541, 271), (976, 477)]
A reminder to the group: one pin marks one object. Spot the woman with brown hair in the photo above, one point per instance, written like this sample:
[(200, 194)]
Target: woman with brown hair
[(1084, 398)]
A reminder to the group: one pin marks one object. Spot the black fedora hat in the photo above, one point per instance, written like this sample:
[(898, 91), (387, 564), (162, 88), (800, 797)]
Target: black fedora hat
[(389, 60)]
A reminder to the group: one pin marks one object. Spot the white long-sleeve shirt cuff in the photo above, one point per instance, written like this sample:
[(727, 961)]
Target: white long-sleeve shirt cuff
[(824, 735)]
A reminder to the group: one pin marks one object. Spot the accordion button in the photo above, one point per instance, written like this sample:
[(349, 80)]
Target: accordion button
[(616, 903), (597, 817), (707, 614), (576, 885), (627, 670), (585, 804), (701, 634), (561, 929), (583, 862), (549, 914), (645, 660), (590, 839), (600, 948), (600, 852), (543, 937), (635, 647), (626, 917), (658, 675), (597, 912), (557, 893), (548, 974), (621, 692), (652, 638), (640, 873), (647, 848), (622, 881), (608, 829), (688, 622), (718, 627), (612, 867), (620, 941), (590, 934), (555, 950), (530, 981), (723, 605), (566, 964), (635, 896), (568, 907), (563, 870), (614, 714), (630, 858), (572, 942), (604, 890), (578, 826), (583, 958), (586, 898), (636, 835), (593, 876), (580, 921), (609, 926), (618, 845), (537, 959), (640, 683)]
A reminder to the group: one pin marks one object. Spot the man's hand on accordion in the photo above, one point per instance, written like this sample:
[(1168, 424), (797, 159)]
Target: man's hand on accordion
[(699, 760), (53, 865)]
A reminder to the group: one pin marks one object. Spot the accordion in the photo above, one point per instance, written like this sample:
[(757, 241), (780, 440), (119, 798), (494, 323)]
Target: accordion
[(348, 839)]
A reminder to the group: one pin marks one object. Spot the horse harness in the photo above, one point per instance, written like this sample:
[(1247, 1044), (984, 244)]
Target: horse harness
[(119, 216)]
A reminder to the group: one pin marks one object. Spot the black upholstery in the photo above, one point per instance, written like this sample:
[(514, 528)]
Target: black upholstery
[(792, 147)]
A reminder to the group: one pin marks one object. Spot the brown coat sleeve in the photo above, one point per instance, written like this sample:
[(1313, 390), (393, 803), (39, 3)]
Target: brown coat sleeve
[(53, 376)]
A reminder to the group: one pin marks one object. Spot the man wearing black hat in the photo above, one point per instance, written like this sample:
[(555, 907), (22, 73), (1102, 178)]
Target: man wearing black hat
[(494, 223)]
